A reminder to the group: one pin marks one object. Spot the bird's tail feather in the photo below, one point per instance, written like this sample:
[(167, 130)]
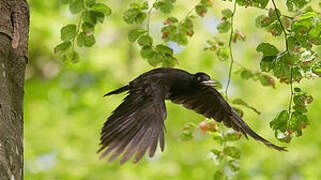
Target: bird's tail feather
[(117, 91), (245, 129)]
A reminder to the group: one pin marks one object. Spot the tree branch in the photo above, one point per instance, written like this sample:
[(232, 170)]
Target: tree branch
[(231, 52)]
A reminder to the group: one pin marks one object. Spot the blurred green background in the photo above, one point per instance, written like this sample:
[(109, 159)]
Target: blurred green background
[(64, 108)]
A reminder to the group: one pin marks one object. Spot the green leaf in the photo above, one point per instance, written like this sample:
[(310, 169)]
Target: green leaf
[(62, 47), (297, 122), (170, 20), (72, 56), (273, 14), (267, 81), (139, 5), (244, 3), (164, 49), (217, 137), (232, 136), (233, 165), (102, 8), (93, 17), (299, 4), (223, 54), (308, 59), (85, 40), (243, 103), (68, 32), (169, 61), (300, 109), (76, 6), (263, 21), (166, 6), (315, 32), (227, 13), (215, 155), (275, 29), (233, 152), (281, 70), (279, 123), (90, 3), (316, 69), (290, 59), (224, 26), (134, 34), (245, 74), (145, 40), (87, 27), (201, 10), (261, 3), (267, 49), (267, 62), (155, 59), (134, 16), (147, 52), (187, 135), (187, 27)]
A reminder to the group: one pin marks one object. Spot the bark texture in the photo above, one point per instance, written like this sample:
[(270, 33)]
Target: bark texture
[(14, 30)]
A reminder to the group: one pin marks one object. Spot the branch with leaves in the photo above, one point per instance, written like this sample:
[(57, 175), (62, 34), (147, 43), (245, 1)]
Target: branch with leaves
[(90, 14)]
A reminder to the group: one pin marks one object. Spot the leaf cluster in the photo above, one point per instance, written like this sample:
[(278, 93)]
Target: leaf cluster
[(90, 14), (285, 125)]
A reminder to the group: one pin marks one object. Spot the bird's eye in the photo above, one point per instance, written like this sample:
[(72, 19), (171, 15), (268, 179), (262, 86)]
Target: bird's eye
[(199, 78)]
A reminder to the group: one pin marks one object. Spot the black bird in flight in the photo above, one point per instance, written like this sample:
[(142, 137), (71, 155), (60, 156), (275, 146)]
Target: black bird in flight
[(137, 124)]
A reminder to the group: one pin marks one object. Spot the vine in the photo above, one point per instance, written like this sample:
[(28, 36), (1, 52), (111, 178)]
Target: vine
[(231, 52), (288, 52)]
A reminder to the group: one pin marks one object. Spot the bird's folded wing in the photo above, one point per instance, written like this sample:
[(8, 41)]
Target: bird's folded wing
[(209, 102), (136, 125)]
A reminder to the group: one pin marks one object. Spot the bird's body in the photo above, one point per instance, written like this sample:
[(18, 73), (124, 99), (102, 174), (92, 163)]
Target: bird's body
[(138, 123)]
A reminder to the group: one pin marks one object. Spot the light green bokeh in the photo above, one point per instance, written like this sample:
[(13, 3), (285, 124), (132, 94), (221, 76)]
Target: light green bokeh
[(64, 108)]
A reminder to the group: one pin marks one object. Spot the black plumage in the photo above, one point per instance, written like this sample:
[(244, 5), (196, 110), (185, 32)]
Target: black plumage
[(137, 124)]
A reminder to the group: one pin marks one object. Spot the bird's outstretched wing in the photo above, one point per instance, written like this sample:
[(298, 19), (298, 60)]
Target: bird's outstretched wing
[(209, 102), (136, 125)]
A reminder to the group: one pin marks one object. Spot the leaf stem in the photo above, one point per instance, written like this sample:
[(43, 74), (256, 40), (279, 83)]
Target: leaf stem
[(287, 50), (231, 52), (77, 33)]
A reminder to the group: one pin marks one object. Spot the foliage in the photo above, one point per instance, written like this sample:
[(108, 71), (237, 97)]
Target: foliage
[(65, 107), (90, 14)]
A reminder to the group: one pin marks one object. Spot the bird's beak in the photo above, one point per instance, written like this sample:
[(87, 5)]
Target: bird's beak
[(210, 83)]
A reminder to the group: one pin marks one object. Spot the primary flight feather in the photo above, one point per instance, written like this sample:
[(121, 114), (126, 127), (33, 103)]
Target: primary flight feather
[(137, 124)]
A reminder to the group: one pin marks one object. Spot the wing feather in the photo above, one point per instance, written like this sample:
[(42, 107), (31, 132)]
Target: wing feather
[(135, 126), (208, 101)]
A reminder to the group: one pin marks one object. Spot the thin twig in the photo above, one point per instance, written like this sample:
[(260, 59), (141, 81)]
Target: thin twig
[(77, 33), (287, 50), (287, 16), (283, 29), (187, 14), (148, 17), (231, 53)]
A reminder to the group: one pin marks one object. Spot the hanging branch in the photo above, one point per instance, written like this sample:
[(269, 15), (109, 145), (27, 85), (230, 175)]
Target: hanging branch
[(231, 53), (288, 52)]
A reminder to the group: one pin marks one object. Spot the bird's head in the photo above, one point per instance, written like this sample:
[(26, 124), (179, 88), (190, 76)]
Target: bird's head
[(203, 78)]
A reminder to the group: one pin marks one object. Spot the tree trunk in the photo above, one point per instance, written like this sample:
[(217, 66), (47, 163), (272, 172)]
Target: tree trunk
[(14, 30)]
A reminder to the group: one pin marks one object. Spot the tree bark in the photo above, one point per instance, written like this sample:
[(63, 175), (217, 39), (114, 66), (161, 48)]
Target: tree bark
[(14, 30)]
